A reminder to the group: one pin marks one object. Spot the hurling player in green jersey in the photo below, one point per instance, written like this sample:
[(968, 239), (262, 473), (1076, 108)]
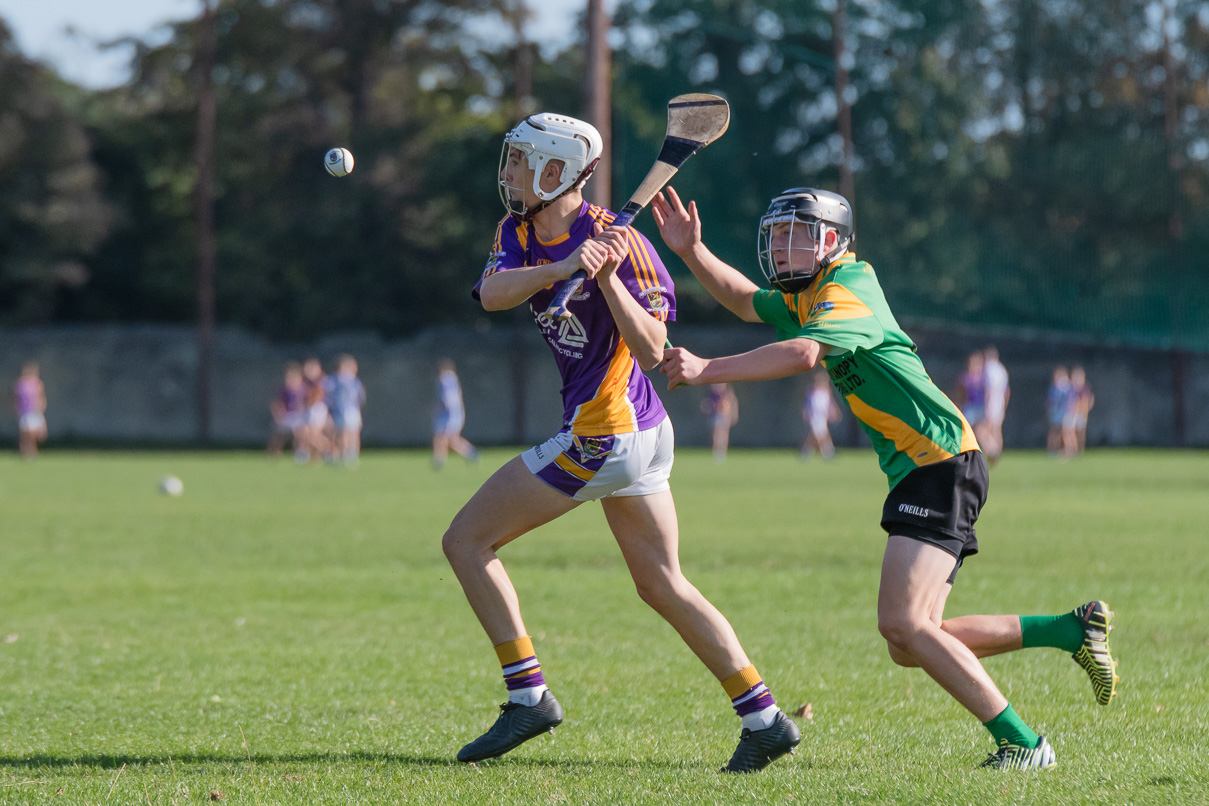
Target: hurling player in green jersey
[(828, 307)]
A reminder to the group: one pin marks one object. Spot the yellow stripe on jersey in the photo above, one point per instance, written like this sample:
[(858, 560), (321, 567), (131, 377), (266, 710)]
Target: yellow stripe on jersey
[(801, 304), (644, 270), (574, 468), (497, 246), (554, 242), (522, 235), (791, 302), (906, 439), (969, 442), (640, 257), (610, 410), (843, 305), (601, 215), (498, 243)]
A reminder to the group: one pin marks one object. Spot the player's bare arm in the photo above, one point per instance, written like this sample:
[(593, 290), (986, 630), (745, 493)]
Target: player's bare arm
[(507, 289), (643, 333), (680, 228), (779, 360)]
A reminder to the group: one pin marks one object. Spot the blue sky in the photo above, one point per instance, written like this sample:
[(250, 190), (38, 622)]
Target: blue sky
[(64, 33)]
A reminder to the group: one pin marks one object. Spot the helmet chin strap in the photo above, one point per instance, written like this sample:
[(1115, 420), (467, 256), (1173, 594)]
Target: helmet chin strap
[(576, 185), (820, 245)]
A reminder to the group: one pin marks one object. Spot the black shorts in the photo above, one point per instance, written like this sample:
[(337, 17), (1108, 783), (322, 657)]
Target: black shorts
[(939, 503)]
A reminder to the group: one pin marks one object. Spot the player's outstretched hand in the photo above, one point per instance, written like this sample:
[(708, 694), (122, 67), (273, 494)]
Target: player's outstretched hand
[(682, 367), (679, 226)]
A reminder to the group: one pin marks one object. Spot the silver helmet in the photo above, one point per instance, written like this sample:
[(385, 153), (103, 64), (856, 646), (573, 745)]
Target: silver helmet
[(811, 214)]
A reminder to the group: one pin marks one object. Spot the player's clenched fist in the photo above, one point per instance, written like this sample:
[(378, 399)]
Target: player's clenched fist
[(595, 256), (613, 240), (682, 367)]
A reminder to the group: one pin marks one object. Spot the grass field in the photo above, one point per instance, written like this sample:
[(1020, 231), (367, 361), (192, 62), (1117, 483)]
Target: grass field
[(294, 635)]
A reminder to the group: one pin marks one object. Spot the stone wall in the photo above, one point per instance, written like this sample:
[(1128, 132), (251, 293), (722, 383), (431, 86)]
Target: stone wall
[(135, 383)]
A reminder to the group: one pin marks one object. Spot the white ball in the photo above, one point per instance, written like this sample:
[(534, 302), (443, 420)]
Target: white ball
[(171, 485), (339, 162)]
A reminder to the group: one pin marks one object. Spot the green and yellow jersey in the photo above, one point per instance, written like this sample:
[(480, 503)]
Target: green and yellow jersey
[(873, 365)]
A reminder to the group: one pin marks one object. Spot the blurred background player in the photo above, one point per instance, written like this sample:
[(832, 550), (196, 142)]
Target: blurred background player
[(722, 408), (616, 444), (827, 306), (289, 416), (1056, 400), (971, 394), (1079, 403), (818, 412), (318, 441), (29, 399), (450, 418), (997, 393), (345, 396)]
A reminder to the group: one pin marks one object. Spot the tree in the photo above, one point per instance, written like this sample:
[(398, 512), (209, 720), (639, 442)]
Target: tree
[(299, 252), (52, 214)]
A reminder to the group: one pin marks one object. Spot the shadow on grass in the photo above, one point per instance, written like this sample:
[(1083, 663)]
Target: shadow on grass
[(106, 761), (112, 762)]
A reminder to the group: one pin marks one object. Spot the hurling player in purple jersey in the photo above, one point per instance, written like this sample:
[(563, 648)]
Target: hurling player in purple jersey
[(615, 446)]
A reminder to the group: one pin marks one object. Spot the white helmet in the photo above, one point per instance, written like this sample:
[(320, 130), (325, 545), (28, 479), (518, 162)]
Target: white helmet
[(548, 137)]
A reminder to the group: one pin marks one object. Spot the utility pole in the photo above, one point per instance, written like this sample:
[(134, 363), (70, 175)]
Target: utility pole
[(1175, 231), (843, 109), (598, 99), (843, 119), (1171, 114), (204, 200), (525, 106), (522, 62)]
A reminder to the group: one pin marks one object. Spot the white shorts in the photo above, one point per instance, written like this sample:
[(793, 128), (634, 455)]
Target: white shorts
[(316, 415), (33, 421), (591, 468), (449, 422), (347, 420)]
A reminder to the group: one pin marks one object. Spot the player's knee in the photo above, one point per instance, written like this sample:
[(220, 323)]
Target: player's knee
[(660, 590), (456, 544), (901, 656), (653, 591), (451, 545), (897, 629)]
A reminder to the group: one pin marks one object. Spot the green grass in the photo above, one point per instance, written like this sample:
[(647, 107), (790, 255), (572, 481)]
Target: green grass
[(294, 635)]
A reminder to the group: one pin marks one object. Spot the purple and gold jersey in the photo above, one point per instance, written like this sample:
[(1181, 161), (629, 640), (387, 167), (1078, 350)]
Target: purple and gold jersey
[(28, 393), (604, 391)]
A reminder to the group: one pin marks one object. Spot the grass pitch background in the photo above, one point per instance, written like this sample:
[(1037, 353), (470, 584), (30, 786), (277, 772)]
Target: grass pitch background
[(294, 635)]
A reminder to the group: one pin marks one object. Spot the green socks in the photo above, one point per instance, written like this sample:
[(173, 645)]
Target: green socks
[(1063, 632), (1012, 728)]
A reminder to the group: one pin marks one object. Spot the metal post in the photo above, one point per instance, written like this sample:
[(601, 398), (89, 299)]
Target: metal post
[(598, 99), (204, 199), (843, 108)]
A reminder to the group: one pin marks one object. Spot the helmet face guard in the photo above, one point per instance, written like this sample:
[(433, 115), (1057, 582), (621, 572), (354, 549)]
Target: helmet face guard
[(513, 195), (538, 140), (793, 235)]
